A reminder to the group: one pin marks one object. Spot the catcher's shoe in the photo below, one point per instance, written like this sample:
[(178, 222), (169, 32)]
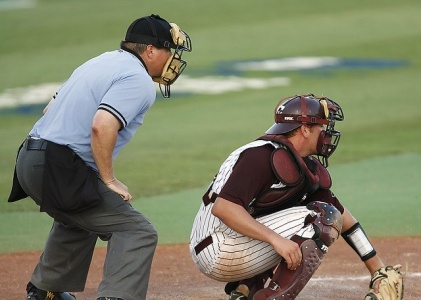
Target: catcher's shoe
[(230, 286), (108, 298), (35, 293), (235, 295)]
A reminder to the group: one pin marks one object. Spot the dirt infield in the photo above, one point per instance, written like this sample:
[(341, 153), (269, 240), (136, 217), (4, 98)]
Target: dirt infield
[(174, 276)]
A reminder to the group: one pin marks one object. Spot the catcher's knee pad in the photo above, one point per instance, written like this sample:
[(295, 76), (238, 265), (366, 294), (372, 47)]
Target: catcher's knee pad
[(286, 283), (327, 222)]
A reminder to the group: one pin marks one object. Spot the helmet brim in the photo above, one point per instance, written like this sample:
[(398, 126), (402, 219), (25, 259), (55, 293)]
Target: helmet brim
[(281, 128)]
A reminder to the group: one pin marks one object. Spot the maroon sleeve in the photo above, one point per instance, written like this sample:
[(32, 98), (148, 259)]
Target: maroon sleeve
[(327, 196), (251, 175)]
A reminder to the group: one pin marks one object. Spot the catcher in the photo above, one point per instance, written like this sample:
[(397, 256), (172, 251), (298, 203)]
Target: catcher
[(268, 217)]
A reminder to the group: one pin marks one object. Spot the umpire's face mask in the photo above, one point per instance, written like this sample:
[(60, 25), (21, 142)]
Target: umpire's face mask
[(174, 65)]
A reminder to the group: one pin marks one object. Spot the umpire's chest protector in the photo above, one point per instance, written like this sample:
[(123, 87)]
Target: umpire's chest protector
[(297, 177)]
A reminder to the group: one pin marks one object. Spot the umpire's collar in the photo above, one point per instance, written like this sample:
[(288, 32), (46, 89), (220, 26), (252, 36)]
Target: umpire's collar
[(135, 54)]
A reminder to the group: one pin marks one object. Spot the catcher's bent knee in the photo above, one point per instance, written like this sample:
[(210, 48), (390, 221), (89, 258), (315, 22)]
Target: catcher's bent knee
[(286, 284)]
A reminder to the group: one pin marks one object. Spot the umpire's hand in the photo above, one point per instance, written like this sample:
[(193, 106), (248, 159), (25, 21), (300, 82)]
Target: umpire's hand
[(120, 188)]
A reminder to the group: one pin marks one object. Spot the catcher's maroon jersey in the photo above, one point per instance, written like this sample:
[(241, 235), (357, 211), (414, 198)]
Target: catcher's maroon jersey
[(220, 252)]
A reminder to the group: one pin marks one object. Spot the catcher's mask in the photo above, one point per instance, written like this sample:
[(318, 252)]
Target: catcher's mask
[(293, 112), (156, 31)]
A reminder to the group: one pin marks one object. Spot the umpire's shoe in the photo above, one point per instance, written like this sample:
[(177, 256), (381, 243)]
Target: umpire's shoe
[(108, 298), (35, 293)]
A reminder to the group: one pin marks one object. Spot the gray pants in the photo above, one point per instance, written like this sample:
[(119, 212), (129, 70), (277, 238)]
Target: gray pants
[(67, 255)]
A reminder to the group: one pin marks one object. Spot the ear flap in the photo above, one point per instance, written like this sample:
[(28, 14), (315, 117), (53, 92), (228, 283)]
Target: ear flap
[(285, 167)]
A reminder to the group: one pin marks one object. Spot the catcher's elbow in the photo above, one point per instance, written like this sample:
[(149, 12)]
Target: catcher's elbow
[(222, 209), (217, 209)]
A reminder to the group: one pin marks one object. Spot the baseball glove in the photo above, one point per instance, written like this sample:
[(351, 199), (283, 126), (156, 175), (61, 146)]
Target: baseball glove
[(391, 284)]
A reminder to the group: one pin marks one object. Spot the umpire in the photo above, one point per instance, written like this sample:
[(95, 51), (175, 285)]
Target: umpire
[(66, 165)]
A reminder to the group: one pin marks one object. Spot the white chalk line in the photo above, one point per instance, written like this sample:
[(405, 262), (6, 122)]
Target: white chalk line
[(359, 278)]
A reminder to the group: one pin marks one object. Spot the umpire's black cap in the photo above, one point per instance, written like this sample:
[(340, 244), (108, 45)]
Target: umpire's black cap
[(151, 30)]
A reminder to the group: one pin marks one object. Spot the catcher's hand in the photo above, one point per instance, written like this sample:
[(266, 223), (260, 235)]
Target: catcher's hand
[(390, 284)]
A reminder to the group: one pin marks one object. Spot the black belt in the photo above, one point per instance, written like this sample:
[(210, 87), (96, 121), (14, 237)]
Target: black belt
[(203, 244), (36, 144)]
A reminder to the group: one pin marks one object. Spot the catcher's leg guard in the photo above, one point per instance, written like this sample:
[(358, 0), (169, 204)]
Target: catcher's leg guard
[(286, 284)]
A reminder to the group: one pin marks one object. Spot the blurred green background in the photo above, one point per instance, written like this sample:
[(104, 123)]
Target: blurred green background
[(173, 157)]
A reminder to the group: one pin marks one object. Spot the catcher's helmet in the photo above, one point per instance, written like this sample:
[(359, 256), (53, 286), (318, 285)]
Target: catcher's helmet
[(293, 112)]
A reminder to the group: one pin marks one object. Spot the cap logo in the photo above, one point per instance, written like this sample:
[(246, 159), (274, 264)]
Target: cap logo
[(280, 109)]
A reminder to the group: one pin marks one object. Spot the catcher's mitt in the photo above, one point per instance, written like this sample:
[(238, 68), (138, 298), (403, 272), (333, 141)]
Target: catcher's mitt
[(391, 284)]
